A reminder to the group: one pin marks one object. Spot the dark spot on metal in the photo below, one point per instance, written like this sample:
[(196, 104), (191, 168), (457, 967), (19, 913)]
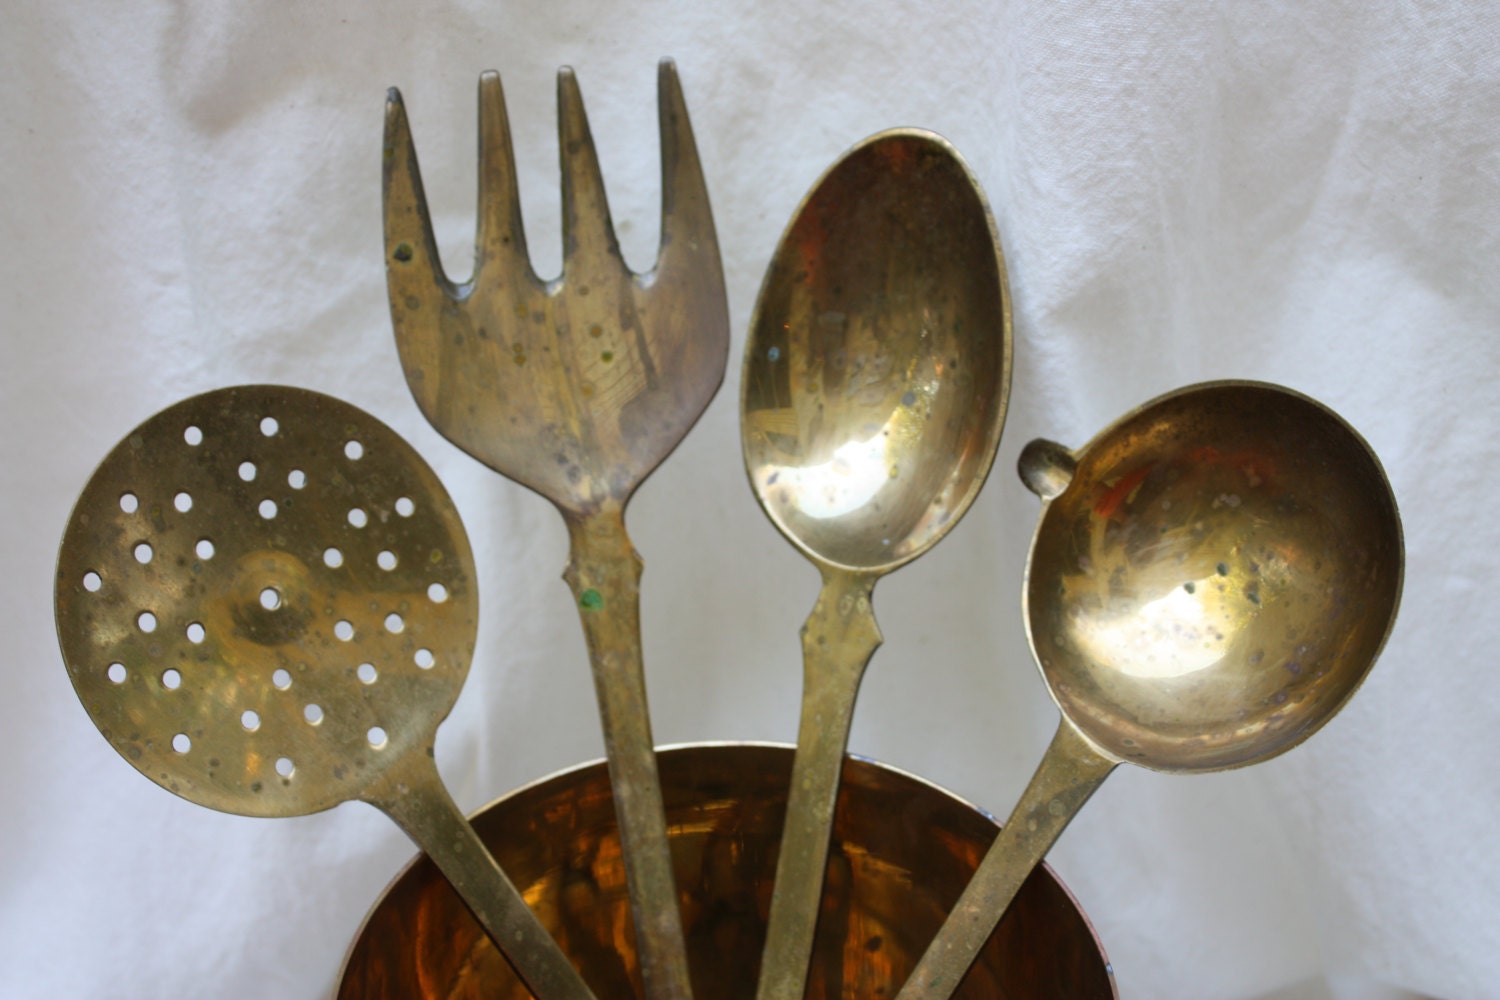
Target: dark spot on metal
[(403, 252)]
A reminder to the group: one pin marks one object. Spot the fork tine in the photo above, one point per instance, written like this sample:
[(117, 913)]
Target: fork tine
[(687, 223), (411, 255), (586, 225), (500, 243)]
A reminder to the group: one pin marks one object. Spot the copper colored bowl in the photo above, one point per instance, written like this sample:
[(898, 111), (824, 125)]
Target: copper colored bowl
[(903, 850)]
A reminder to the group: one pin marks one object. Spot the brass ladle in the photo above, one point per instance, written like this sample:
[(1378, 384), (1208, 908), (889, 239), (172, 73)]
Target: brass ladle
[(266, 603), (1211, 579), (875, 386)]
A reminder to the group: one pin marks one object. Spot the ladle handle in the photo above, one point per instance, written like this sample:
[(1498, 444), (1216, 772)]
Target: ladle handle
[(1069, 773), (413, 795), (605, 574), (838, 640)]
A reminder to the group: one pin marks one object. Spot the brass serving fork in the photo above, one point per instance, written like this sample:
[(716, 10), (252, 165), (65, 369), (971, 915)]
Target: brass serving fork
[(578, 388)]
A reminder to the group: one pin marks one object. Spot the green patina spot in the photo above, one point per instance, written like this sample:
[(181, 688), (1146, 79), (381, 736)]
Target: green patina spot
[(607, 357), (403, 252), (591, 600)]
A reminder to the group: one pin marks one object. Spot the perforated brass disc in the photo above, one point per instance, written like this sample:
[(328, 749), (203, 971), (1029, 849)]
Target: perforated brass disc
[(264, 598)]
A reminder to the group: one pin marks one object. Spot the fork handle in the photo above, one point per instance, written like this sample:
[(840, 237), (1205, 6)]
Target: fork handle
[(605, 573)]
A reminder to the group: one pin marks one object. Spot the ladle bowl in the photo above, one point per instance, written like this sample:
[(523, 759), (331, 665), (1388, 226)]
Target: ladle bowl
[(1211, 580), (1218, 581)]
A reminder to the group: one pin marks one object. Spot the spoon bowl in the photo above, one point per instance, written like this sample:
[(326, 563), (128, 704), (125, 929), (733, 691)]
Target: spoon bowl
[(1211, 579), (878, 369)]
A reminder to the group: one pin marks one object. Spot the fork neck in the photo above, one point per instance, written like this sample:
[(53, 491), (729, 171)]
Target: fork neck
[(598, 530)]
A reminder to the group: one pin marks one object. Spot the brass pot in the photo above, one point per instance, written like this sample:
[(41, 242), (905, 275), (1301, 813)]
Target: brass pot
[(903, 849)]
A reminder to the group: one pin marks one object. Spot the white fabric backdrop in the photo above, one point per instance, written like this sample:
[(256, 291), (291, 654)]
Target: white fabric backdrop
[(1303, 193)]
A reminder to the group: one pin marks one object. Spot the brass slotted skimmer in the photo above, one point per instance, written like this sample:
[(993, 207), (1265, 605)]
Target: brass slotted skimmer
[(266, 602)]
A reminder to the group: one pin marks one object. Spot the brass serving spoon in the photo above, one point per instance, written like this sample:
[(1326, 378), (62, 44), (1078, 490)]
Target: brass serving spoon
[(1211, 579), (266, 603), (875, 386), (577, 388)]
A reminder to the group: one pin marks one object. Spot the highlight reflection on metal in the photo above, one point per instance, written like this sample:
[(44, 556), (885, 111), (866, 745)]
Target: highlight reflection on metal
[(265, 601), (874, 390), (1211, 579), (577, 388), (890, 883)]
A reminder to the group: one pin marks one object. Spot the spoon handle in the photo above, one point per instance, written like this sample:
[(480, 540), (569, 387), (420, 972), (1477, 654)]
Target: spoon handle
[(605, 574), (413, 795), (1070, 771), (838, 640)]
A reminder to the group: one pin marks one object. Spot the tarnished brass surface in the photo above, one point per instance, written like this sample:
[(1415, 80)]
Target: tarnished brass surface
[(1212, 578), (578, 388), (877, 370), (874, 390), (902, 851), (266, 603)]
